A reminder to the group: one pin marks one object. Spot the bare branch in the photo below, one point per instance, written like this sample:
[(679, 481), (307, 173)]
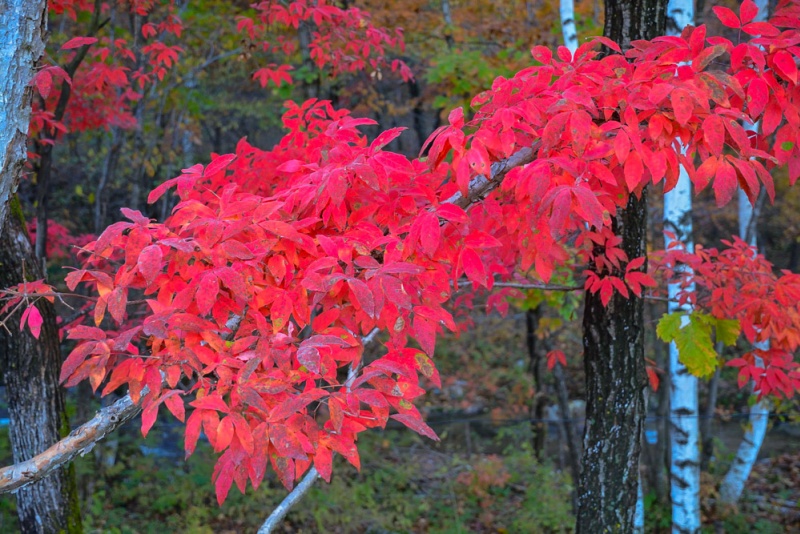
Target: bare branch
[(79, 442), (280, 511), (480, 186)]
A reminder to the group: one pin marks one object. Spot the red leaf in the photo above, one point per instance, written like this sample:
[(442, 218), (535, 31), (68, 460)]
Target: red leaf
[(757, 97), (452, 213), (206, 294), (34, 320), (293, 165), (652, 376), (784, 63), (622, 146), (192, 432), (725, 183), (554, 357), (323, 461), (149, 415), (726, 17), (77, 42), (223, 481), (364, 298), (218, 163), (425, 333), (416, 424), (761, 28), (243, 433), (117, 302), (633, 171), (175, 405), (714, 134), (150, 262), (748, 11), (43, 80), (224, 434), (473, 267), (589, 205), (683, 105)]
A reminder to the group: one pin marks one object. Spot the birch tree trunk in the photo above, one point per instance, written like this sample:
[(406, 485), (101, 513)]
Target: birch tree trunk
[(567, 12), (733, 484), (683, 414)]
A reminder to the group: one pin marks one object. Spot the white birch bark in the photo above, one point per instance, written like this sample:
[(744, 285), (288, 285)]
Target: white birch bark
[(567, 12), (733, 484), (684, 428)]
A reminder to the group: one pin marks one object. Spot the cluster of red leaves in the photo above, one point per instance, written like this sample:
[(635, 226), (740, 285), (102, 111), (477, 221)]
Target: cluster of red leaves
[(26, 294), (274, 263), (738, 283), (343, 39), (60, 243), (101, 90)]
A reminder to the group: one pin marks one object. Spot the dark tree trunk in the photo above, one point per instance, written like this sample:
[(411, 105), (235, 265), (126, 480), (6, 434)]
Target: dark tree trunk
[(538, 426), (613, 343), (615, 381), (35, 401)]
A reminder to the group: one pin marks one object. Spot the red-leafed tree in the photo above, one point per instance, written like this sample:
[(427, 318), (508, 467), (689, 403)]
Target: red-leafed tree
[(253, 299)]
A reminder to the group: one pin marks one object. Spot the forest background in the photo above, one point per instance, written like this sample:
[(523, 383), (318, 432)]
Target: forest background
[(495, 467)]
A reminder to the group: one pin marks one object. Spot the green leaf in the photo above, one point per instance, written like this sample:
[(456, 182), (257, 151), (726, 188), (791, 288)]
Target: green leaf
[(787, 145), (695, 349), (669, 325), (727, 331), (693, 339)]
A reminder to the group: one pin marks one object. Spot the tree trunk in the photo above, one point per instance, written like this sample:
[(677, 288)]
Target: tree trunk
[(615, 381), (22, 28), (30, 366), (567, 12), (538, 426), (35, 401), (684, 428), (613, 343)]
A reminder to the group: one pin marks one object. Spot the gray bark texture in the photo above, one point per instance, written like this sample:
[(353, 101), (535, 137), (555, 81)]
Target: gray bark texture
[(613, 343), (35, 401), (22, 28), (30, 366)]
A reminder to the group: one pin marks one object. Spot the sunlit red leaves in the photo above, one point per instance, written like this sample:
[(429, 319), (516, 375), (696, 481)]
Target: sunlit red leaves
[(330, 235)]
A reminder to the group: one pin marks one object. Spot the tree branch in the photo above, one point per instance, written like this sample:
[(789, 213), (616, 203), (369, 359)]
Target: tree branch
[(480, 186), (290, 500), (80, 441)]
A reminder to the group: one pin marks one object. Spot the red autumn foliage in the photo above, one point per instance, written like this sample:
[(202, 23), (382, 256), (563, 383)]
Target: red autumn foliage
[(255, 293)]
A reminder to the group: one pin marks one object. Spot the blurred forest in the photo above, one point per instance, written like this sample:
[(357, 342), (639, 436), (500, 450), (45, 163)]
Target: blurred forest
[(504, 462)]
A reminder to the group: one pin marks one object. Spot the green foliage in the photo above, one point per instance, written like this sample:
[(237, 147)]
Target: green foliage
[(466, 73), (691, 333), (403, 487)]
